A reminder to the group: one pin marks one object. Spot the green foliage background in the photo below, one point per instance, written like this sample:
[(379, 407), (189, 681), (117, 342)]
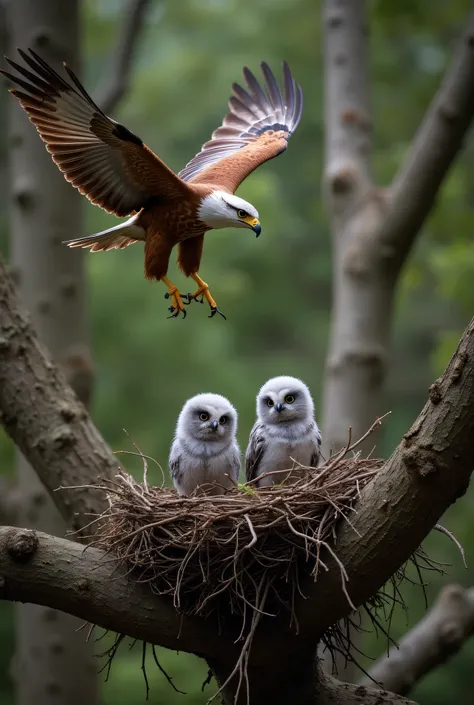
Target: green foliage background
[(275, 291)]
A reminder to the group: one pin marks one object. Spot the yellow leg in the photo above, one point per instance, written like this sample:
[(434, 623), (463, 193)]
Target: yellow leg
[(204, 291), (177, 303)]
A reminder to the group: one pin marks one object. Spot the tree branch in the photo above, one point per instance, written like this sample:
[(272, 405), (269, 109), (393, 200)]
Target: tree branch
[(434, 149), (439, 635), (43, 416), (61, 574), (116, 82), (428, 471)]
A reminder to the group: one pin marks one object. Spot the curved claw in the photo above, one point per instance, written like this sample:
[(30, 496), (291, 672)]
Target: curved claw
[(215, 310), (186, 299), (176, 311)]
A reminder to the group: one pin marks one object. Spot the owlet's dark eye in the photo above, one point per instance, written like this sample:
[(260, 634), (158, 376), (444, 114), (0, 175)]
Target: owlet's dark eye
[(241, 213), (289, 399), (223, 420), (270, 403), (204, 416)]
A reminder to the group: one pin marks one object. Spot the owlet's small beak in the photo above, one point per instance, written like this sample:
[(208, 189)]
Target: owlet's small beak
[(214, 425)]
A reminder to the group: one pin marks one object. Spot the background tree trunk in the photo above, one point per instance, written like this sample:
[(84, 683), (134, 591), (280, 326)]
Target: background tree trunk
[(373, 229), (53, 664)]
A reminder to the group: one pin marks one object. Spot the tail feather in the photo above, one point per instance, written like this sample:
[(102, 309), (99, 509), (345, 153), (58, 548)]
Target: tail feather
[(115, 238)]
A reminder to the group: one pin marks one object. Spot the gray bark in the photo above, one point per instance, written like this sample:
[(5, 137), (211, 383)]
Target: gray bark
[(44, 417), (53, 663)]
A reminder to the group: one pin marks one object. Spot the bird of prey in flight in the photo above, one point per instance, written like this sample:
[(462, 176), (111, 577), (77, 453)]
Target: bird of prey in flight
[(115, 170)]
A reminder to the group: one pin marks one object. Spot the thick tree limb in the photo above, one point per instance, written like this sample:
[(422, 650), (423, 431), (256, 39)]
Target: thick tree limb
[(44, 417), (428, 471), (439, 635), (116, 81), (61, 574)]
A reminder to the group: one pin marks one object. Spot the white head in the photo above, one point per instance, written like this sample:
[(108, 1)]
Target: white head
[(284, 400), (208, 418), (223, 210)]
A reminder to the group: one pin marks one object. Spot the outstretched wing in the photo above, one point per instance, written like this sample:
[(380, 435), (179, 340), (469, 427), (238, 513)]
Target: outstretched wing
[(255, 452), (256, 129), (101, 158)]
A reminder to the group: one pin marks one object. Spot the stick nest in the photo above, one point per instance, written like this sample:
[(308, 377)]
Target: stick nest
[(246, 552)]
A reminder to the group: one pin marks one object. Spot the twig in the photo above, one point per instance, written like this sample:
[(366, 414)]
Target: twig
[(451, 536)]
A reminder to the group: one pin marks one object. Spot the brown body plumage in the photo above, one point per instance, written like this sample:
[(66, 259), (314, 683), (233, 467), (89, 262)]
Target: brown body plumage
[(118, 172)]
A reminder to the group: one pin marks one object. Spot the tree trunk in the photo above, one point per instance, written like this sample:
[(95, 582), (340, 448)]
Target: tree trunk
[(362, 298), (53, 664)]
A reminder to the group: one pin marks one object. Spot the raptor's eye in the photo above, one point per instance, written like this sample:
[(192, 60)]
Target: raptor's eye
[(289, 399), (204, 416), (241, 213), (223, 420), (270, 402)]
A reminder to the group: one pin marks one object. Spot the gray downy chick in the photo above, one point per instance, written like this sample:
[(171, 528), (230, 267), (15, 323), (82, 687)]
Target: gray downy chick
[(205, 453)]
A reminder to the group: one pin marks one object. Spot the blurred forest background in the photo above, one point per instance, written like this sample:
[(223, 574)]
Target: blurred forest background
[(275, 291)]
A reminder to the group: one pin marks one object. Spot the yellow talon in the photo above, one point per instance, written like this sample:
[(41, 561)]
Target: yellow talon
[(204, 290), (177, 303)]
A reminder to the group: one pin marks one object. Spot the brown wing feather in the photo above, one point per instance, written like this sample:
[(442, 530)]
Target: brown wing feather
[(101, 158), (256, 129)]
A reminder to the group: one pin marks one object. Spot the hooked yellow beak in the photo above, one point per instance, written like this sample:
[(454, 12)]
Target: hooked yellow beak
[(253, 223)]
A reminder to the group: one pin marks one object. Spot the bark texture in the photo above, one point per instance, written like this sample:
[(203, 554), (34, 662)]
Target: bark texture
[(438, 637), (44, 417), (53, 663)]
